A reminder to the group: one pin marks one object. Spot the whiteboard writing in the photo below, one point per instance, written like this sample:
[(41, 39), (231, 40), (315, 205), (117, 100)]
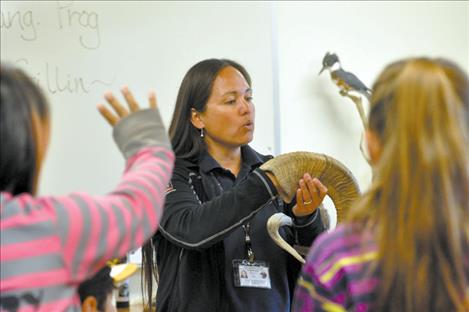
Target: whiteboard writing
[(55, 80), (23, 21), (69, 18), (78, 50)]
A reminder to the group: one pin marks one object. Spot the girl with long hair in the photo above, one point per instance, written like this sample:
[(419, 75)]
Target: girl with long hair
[(405, 245)]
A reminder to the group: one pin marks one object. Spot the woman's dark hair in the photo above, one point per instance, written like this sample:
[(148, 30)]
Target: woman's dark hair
[(20, 99), (194, 92), (99, 286)]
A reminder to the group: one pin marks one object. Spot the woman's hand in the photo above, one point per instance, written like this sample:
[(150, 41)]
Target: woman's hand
[(120, 110), (309, 196)]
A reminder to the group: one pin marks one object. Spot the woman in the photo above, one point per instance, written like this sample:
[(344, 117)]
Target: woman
[(49, 244), (218, 203), (406, 245)]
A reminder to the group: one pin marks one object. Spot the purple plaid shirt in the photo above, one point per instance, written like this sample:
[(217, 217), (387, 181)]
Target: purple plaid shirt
[(336, 276)]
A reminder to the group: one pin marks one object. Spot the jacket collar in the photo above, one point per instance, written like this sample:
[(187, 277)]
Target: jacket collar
[(249, 157)]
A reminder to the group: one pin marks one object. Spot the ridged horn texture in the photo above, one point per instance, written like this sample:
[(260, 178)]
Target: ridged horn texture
[(289, 168)]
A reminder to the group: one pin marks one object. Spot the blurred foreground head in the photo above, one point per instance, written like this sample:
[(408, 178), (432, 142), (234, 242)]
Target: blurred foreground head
[(96, 293), (24, 128), (418, 204)]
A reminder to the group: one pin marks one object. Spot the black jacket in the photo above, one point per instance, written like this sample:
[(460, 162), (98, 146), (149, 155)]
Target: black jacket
[(205, 209)]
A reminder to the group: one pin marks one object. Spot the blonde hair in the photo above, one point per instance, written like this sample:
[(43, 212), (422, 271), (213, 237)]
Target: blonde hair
[(418, 204)]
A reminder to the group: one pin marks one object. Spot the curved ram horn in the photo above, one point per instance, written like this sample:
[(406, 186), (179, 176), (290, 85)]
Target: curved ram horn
[(289, 168), (273, 224)]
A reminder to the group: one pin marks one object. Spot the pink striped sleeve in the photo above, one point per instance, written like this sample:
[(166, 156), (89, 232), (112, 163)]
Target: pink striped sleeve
[(30, 248), (39, 279), (56, 305), (98, 229)]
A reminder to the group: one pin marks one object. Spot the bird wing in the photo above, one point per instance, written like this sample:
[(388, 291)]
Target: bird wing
[(352, 80)]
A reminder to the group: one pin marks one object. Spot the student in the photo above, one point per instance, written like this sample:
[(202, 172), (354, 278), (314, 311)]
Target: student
[(96, 293), (49, 244), (405, 246), (218, 203)]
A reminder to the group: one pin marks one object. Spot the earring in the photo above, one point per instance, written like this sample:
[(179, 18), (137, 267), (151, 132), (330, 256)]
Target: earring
[(202, 132)]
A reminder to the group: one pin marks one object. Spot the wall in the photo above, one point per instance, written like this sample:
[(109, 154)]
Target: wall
[(79, 50), (366, 36)]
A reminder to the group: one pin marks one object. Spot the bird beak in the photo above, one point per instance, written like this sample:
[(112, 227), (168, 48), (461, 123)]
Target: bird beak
[(324, 67)]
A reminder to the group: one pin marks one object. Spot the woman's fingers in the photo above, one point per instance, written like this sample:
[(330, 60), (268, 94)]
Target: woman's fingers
[(308, 188), (309, 195), (106, 113), (316, 189), (299, 198), (321, 187), (301, 209)]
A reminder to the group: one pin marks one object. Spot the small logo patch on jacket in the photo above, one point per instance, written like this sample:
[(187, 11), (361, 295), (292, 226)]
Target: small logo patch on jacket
[(169, 188)]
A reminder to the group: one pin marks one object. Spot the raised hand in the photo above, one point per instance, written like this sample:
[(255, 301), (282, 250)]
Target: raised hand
[(119, 110)]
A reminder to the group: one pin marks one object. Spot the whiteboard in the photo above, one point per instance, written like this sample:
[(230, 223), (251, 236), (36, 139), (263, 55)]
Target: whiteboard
[(76, 51)]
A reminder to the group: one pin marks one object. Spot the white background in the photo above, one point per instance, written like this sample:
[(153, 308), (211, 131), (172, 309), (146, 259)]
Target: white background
[(147, 45), (366, 36), (150, 45)]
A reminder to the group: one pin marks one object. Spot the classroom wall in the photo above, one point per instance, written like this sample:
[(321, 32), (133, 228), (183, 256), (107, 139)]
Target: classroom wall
[(366, 36), (78, 50)]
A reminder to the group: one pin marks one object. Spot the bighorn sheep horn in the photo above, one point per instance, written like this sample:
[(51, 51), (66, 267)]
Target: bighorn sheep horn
[(289, 168)]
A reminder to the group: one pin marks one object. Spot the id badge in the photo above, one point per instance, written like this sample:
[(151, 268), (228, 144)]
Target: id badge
[(251, 274)]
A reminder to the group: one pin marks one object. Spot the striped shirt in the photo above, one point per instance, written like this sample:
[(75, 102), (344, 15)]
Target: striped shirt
[(51, 244), (340, 275), (335, 276)]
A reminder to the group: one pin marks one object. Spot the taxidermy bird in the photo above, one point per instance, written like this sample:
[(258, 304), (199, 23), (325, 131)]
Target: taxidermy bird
[(347, 82)]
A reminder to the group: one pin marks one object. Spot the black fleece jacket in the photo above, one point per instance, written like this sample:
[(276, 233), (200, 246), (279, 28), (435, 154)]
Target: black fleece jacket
[(201, 233)]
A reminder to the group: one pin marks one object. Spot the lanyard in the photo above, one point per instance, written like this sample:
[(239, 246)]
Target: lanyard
[(247, 241), (246, 228)]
